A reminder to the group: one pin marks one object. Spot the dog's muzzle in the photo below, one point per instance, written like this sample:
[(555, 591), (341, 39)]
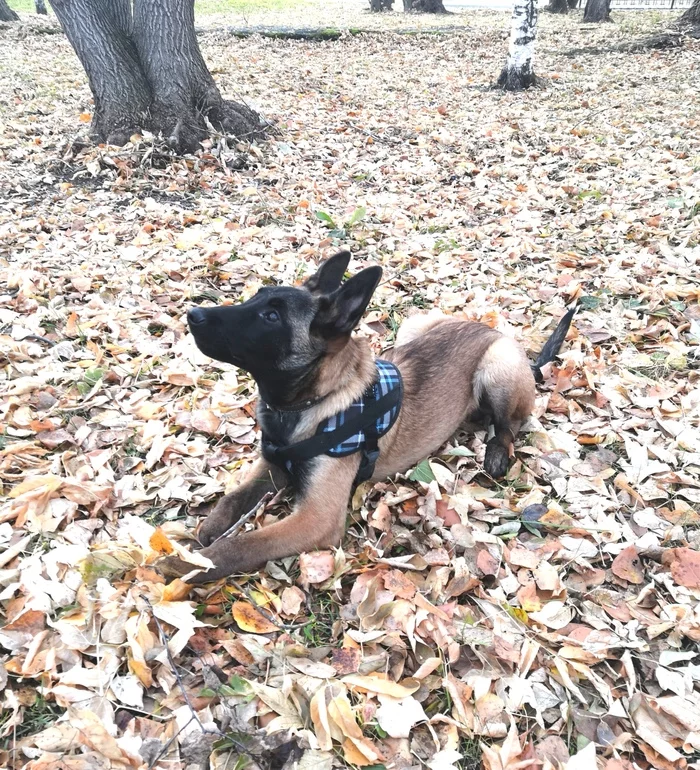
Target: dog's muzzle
[(196, 317)]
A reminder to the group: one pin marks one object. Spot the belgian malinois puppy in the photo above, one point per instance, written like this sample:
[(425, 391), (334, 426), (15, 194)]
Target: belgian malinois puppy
[(297, 345)]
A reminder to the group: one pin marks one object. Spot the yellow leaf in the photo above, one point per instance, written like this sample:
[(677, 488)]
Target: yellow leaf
[(176, 591), (379, 684), (48, 484), (159, 542), (360, 752), (250, 620)]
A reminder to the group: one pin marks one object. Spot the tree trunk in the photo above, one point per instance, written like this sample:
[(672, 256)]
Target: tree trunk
[(377, 6), (6, 13), (558, 6), (146, 72), (518, 73), (573, 4), (423, 6), (692, 15), (596, 10), (40, 7)]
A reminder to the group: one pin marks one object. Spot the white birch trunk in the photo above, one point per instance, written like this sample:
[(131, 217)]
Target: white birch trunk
[(518, 72)]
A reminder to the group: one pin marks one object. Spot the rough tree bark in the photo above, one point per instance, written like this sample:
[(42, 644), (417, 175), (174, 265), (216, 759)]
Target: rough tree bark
[(596, 10), (424, 6), (692, 15), (558, 6), (146, 72), (518, 73), (573, 4), (377, 6), (40, 7), (6, 13)]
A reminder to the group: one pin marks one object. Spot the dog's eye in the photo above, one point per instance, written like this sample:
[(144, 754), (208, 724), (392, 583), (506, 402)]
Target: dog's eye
[(271, 315)]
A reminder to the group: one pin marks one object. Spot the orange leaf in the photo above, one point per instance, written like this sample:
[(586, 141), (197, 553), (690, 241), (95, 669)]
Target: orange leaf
[(159, 542), (250, 620), (176, 591), (85, 117)]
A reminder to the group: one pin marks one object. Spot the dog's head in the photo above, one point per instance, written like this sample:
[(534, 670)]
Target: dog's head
[(286, 331)]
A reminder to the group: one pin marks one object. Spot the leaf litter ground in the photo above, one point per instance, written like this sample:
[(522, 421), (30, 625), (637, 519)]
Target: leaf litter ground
[(550, 620)]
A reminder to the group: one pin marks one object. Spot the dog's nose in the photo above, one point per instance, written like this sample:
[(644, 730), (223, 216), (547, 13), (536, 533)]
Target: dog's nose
[(196, 316)]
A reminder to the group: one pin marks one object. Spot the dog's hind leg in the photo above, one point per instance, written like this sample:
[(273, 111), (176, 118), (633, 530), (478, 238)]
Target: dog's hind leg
[(261, 478), (504, 387)]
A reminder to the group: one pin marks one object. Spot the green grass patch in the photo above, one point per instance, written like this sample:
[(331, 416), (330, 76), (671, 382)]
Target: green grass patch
[(206, 7)]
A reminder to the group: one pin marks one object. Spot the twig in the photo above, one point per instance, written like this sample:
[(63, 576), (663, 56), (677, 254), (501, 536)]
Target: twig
[(271, 497), (38, 338), (181, 685)]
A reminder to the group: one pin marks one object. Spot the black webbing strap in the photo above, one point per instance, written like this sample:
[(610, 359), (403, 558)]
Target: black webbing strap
[(321, 443)]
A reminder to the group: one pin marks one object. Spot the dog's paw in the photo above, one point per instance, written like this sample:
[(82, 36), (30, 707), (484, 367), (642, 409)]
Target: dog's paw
[(217, 520), (173, 566), (496, 460), (231, 556)]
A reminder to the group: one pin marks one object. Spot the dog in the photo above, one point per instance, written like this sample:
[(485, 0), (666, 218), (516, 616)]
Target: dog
[(297, 343)]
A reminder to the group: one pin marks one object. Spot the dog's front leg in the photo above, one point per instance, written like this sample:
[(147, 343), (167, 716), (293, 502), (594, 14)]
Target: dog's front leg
[(260, 479), (318, 521)]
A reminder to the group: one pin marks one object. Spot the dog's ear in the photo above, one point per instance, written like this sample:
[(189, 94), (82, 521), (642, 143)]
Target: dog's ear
[(339, 313), (329, 275)]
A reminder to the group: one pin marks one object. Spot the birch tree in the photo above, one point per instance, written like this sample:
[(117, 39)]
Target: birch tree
[(518, 73), (146, 72)]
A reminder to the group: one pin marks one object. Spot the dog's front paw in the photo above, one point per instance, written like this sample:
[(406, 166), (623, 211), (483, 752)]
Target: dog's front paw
[(496, 460), (217, 520), (231, 556)]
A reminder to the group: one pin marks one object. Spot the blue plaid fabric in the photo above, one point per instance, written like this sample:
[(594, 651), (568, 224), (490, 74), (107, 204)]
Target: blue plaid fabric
[(388, 379)]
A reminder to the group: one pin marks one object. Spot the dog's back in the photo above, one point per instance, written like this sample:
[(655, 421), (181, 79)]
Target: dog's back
[(454, 370)]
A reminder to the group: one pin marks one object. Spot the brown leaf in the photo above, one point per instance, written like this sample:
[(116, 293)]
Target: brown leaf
[(628, 566), (685, 567), (316, 567), (487, 563), (346, 660)]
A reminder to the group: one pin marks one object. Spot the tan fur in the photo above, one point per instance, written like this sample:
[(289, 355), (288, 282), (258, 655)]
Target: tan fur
[(449, 369), (418, 324), (344, 374)]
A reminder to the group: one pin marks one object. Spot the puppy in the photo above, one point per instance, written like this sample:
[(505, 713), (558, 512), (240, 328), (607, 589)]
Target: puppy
[(313, 376)]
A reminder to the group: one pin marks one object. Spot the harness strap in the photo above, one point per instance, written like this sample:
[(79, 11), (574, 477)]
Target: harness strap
[(321, 443)]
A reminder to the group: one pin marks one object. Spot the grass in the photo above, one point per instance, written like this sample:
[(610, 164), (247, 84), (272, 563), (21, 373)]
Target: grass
[(325, 611), (37, 717), (201, 7)]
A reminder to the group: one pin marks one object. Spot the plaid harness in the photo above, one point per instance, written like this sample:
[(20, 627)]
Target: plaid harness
[(357, 429)]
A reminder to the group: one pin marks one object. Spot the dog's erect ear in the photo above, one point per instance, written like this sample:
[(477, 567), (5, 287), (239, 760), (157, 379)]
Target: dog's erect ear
[(329, 275), (340, 313)]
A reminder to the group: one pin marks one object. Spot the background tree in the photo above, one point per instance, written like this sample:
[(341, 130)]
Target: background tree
[(558, 6), (424, 6), (518, 73), (596, 10), (6, 13), (40, 7), (376, 6), (692, 15), (146, 72)]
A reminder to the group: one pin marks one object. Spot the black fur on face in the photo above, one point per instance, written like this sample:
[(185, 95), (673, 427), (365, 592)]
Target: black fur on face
[(281, 334)]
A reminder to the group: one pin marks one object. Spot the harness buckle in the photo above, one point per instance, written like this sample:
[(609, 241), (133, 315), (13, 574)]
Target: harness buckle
[(367, 463)]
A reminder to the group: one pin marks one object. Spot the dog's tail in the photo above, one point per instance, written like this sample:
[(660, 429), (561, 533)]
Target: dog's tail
[(551, 347)]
